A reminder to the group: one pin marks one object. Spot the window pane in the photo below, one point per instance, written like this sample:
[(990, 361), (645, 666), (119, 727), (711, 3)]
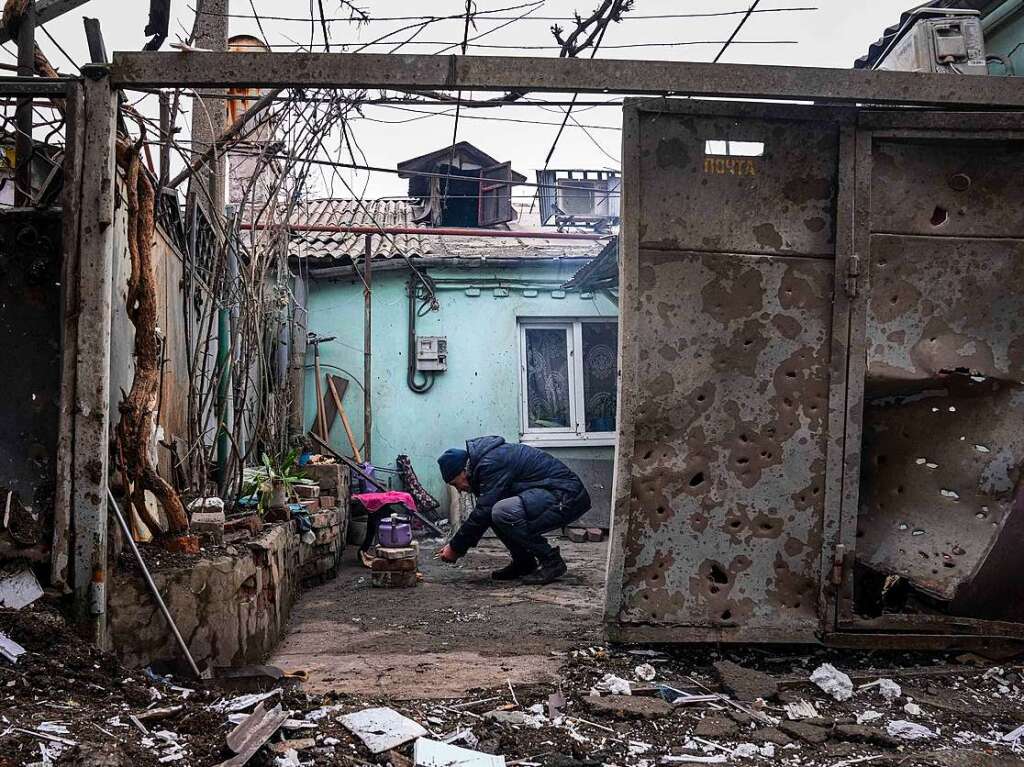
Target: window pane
[(600, 356), (547, 379)]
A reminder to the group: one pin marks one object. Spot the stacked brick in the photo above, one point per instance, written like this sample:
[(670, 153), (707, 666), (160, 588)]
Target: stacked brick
[(395, 568), (326, 503)]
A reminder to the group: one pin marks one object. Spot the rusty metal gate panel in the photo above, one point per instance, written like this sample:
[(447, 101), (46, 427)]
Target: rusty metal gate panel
[(935, 508), (724, 497)]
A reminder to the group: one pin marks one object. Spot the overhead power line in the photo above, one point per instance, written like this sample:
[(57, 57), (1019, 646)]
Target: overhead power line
[(493, 15), (515, 47), (736, 31)]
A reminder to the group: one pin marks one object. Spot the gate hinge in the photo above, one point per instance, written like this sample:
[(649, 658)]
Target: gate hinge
[(838, 563), (853, 276)]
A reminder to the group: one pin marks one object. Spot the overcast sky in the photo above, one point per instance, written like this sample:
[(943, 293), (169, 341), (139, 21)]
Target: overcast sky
[(832, 35)]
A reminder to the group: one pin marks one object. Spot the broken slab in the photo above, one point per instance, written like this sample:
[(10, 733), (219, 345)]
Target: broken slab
[(745, 684), (859, 733), (770, 735), (249, 735), (382, 729), (808, 733), (19, 588), (628, 706), (716, 727)]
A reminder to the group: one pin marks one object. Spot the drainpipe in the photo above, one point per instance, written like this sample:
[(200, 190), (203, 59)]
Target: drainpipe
[(224, 366)]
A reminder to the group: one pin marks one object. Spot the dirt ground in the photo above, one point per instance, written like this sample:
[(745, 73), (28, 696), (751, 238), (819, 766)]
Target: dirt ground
[(457, 631), (511, 671)]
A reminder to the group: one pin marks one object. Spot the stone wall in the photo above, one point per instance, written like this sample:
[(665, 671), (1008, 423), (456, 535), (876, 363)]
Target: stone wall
[(231, 610)]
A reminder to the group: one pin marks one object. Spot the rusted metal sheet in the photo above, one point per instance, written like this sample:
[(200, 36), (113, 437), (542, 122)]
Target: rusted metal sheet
[(942, 439), (938, 352), (720, 497)]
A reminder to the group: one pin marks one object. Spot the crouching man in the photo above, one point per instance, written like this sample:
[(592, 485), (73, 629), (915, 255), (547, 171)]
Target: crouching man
[(521, 492)]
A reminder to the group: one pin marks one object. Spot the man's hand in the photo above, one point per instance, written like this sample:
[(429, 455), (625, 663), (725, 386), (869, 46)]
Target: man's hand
[(447, 554)]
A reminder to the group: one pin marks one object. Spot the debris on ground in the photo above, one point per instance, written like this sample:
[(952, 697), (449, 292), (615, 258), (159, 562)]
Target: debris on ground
[(66, 703), (833, 681)]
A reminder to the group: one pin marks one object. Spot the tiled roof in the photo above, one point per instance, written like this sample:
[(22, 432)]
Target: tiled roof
[(348, 245), (341, 247)]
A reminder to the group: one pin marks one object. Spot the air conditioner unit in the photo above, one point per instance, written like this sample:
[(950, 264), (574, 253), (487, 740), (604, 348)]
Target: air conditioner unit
[(579, 197), (431, 353), (946, 41), (588, 198)]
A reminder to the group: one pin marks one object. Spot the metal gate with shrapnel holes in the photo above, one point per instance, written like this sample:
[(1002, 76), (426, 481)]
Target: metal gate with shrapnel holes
[(814, 301)]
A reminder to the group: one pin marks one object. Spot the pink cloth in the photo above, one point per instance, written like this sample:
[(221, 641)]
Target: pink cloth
[(373, 501)]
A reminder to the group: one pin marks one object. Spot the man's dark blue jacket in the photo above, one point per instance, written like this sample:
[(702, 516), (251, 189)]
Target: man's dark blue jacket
[(498, 470)]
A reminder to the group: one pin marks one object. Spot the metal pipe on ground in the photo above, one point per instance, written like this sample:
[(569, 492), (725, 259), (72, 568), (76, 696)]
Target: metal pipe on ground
[(152, 586)]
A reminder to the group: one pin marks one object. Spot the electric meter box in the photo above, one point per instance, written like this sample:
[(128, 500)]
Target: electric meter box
[(431, 353), (950, 43)]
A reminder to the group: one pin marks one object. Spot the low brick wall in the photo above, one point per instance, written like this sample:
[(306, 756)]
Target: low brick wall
[(232, 610)]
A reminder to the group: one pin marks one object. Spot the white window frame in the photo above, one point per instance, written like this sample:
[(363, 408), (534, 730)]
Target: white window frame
[(574, 435)]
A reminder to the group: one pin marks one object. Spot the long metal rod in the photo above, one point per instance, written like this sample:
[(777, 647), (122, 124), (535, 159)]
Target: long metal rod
[(149, 581), (449, 231), (367, 347), (502, 73)]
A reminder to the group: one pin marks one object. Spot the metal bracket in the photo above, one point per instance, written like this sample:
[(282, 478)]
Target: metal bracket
[(853, 276), (838, 564)]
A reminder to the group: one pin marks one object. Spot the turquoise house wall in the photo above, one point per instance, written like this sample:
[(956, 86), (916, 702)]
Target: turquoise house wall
[(478, 394)]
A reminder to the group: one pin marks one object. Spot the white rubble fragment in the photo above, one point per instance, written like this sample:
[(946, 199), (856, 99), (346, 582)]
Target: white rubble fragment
[(331, 741), (866, 717), (10, 649), (833, 681), (19, 588), (517, 718), (645, 672), (900, 728), (889, 690), (801, 709), (244, 702), (433, 753), (382, 729), (613, 685), (537, 708), (913, 709), (289, 758), (693, 759), (1014, 735), (745, 751), (636, 747), (54, 728), (321, 713)]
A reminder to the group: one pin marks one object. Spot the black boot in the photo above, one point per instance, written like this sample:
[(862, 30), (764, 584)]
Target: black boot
[(515, 570), (552, 567)]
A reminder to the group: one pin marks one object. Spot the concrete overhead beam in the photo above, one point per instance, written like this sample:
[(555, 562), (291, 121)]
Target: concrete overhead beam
[(501, 73)]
